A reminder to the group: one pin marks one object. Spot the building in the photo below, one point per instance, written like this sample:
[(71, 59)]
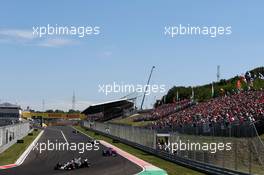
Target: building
[(9, 113)]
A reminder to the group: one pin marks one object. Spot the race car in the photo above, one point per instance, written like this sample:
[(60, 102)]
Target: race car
[(75, 163), (75, 131), (109, 152), (92, 141)]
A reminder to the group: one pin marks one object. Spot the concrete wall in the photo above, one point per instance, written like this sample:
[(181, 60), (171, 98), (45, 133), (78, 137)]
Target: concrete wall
[(137, 135), (11, 133)]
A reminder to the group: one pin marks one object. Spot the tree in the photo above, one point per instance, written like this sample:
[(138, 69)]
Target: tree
[(71, 111)]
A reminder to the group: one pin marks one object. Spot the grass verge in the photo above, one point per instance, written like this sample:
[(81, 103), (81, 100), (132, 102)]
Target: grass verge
[(171, 168), (130, 121), (10, 155)]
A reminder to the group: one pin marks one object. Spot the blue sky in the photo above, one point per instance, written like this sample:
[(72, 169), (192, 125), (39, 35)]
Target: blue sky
[(131, 41)]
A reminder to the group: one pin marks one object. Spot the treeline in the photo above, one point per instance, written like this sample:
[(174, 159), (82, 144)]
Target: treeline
[(205, 92), (71, 111)]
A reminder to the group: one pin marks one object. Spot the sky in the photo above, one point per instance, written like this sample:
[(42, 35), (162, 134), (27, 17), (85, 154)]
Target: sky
[(130, 42)]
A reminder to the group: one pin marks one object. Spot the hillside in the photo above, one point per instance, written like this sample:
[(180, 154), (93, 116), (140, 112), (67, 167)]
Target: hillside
[(204, 92)]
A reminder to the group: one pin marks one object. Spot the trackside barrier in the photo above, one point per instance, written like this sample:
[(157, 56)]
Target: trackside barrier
[(11, 133), (217, 163), (187, 163)]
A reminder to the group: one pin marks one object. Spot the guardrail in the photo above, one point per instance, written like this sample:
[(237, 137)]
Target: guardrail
[(196, 165), (209, 169)]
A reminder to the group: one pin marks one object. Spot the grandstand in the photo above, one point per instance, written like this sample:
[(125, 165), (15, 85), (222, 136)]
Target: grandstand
[(237, 101), (237, 109), (109, 110)]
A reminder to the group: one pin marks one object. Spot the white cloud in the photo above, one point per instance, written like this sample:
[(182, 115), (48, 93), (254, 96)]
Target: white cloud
[(26, 37), (108, 51), (56, 42), (14, 34)]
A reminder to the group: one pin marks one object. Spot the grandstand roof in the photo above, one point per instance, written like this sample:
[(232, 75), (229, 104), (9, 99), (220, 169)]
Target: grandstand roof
[(8, 105), (100, 107)]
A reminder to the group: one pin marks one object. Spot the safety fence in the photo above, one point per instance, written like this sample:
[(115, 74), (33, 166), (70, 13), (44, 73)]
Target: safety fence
[(9, 134), (215, 154)]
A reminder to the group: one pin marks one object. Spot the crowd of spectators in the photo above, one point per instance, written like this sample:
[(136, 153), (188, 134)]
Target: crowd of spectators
[(164, 110), (237, 108), (96, 116)]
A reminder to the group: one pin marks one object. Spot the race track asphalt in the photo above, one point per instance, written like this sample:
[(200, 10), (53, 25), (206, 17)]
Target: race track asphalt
[(43, 163)]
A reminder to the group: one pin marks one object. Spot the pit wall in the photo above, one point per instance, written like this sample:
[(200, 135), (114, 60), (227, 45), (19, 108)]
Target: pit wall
[(11, 133)]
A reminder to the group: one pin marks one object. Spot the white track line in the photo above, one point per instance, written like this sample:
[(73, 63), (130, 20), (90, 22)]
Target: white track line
[(83, 133), (64, 137), (141, 163), (21, 159)]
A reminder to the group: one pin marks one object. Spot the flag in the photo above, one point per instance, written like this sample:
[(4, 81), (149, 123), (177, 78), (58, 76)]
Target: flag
[(174, 100), (261, 76), (192, 97), (212, 89), (238, 84), (243, 78)]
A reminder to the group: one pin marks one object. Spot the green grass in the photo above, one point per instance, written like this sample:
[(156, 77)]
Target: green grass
[(129, 121), (171, 168), (10, 155), (262, 137)]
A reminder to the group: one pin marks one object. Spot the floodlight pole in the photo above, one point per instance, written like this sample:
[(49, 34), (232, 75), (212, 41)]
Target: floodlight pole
[(146, 88)]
